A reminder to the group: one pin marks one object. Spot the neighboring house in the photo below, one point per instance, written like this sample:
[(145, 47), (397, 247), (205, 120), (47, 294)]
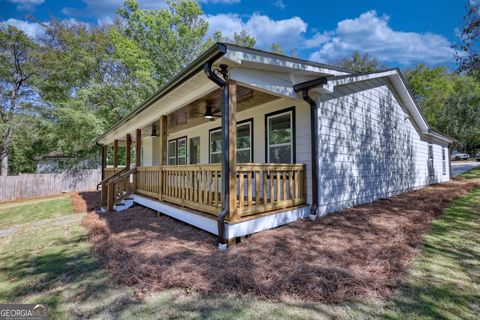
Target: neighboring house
[(288, 138), (55, 162)]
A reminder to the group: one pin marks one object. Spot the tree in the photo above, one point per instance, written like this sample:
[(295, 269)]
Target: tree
[(360, 63), (16, 74), (243, 39), (276, 48), (168, 39), (449, 101), (431, 87), (467, 57)]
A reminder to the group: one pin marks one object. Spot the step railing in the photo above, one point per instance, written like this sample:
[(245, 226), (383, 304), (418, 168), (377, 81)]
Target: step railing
[(119, 187)]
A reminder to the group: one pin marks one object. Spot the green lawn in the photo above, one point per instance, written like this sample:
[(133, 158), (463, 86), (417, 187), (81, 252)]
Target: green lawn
[(17, 213), (53, 264)]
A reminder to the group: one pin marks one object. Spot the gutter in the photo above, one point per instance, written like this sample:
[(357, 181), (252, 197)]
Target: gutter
[(304, 88), (213, 76), (213, 53)]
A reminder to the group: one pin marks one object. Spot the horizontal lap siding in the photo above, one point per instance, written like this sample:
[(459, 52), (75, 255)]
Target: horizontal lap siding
[(369, 147), (302, 124)]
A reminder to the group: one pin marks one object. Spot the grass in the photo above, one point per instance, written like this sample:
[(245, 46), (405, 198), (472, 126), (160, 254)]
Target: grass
[(18, 213), (53, 264)]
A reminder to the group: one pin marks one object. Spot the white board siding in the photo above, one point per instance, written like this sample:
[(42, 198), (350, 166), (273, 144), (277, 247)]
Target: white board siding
[(369, 148), (302, 128)]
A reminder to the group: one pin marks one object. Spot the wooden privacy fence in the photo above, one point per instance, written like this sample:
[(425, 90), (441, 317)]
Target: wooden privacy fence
[(36, 185)]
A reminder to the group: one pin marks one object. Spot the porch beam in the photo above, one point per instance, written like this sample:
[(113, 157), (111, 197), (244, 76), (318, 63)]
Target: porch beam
[(232, 150), (115, 154), (128, 151)]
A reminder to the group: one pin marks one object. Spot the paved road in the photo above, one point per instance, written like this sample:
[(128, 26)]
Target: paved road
[(459, 167)]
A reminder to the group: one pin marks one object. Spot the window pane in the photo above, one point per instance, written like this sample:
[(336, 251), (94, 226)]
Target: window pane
[(216, 158), (243, 136), (280, 154), (216, 141), (182, 151), (195, 150), (243, 156), (172, 149), (279, 129)]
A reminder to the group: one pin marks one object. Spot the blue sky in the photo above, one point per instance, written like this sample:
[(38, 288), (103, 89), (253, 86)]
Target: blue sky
[(400, 33)]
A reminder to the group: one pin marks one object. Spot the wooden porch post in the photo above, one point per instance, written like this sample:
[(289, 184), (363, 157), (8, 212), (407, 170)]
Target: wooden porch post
[(138, 155), (232, 150), (115, 154), (128, 151), (162, 149), (138, 148), (104, 165)]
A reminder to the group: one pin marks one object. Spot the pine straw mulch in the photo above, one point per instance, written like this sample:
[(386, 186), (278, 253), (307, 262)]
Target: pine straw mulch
[(85, 201), (354, 254)]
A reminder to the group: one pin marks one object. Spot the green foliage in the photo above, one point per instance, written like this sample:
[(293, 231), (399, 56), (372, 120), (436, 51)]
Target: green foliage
[(276, 48), (449, 101), (360, 63), (243, 39), (467, 55)]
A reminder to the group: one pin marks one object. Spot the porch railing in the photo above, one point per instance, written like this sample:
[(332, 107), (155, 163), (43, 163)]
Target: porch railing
[(260, 187)]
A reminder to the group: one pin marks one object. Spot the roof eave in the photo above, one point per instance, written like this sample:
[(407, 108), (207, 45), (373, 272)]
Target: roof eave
[(213, 53)]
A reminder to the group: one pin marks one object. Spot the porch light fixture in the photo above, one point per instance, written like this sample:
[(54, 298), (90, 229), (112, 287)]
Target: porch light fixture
[(154, 131)]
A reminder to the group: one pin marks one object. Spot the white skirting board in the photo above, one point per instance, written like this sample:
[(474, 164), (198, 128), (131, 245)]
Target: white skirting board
[(232, 230)]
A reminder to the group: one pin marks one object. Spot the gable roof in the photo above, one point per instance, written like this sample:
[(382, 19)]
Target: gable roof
[(261, 70), (399, 82)]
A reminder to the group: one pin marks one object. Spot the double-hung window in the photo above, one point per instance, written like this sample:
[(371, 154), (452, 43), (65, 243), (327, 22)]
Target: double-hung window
[(177, 151), (280, 128), (430, 160), (244, 143), (444, 161)]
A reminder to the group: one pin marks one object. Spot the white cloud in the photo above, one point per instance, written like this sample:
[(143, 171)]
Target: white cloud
[(26, 4), (32, 29), (370, 33), (288, 32), (105, 8), (279, 4)]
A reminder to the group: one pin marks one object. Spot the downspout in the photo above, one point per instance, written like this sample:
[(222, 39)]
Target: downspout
[(213, 76), (304, 89)]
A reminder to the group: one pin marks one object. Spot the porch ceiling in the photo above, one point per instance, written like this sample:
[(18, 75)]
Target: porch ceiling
[(193, 114)]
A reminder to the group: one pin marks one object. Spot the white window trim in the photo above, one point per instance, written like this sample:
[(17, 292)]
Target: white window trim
[(290, 112)]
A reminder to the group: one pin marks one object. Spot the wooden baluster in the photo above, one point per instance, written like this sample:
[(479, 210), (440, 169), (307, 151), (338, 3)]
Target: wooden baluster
[(257, 187), (264, 181), (285, 185), (249, 188), (290, 189), (200, 186), (272, 193), (241, 190), (279, 192)]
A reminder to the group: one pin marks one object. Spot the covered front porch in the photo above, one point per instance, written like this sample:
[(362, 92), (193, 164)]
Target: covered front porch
[(228, 156)]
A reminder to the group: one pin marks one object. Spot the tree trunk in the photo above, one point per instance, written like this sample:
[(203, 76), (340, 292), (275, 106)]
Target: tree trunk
[(5, 151)]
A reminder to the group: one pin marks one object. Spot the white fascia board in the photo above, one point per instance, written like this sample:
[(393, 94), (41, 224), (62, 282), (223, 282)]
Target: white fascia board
[(256, 59)]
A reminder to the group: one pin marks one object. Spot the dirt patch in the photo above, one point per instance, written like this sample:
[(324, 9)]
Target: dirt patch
[(85, 201), (354, 254)]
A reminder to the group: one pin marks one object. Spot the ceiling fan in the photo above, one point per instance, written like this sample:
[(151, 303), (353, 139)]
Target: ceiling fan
[(210, 113)]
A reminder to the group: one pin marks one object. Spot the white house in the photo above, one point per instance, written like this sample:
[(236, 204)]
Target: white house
[(289, 139)]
